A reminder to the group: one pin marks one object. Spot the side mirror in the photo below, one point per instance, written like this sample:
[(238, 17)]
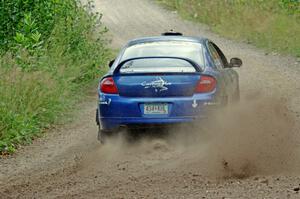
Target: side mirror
[(111, 63), (235, 62)]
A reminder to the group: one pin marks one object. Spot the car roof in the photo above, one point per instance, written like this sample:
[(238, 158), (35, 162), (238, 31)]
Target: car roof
[(166, 38)]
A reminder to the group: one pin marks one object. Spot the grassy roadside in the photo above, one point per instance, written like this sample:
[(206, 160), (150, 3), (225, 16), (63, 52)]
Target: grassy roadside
[(270, 24), (50, 55)]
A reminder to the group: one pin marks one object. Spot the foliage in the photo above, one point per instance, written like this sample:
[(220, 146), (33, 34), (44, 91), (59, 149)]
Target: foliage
[(23, 17), (271, 24), (51, 54)]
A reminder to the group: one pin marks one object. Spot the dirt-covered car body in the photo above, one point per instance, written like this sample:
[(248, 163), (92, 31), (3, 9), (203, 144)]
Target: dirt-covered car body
[(165, 80)]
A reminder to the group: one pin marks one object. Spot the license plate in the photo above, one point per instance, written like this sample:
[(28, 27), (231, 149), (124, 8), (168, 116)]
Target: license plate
[(156, 109)]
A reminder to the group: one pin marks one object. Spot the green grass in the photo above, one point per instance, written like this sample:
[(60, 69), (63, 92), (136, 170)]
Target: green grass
[(270, 24), (42, 78)]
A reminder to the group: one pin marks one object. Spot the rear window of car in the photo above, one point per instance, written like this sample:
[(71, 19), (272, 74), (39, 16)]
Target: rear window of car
[(183, 49), (157, 65)]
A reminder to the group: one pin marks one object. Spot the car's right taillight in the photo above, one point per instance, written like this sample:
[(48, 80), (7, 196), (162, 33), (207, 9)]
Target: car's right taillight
[(206, 84), (108, 85)]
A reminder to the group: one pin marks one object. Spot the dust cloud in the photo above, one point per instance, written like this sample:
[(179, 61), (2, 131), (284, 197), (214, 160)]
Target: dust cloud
[(256, 136)]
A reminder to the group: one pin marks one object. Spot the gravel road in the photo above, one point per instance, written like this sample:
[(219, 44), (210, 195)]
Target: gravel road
[(253, 152)]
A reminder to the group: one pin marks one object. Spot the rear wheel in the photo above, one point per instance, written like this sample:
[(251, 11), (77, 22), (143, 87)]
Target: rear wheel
[(103, 135), (97, 117)]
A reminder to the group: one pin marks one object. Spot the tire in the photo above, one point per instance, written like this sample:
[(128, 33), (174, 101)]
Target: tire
[(97, 117), (103, 135)]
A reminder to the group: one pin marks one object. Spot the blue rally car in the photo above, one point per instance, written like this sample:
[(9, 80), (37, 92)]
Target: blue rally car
[(163, 80)]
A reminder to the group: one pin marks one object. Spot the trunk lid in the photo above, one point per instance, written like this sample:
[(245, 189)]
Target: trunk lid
[(173, 85)]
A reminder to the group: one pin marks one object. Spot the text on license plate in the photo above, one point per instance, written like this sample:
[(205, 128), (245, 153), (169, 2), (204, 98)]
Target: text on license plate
[(155, 108)]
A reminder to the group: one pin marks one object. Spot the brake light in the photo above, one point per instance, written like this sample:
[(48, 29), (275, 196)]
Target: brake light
[(206, 84), (108, 85)]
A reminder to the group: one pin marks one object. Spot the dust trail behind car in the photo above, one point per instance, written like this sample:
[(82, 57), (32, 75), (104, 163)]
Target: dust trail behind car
[(254, 137)]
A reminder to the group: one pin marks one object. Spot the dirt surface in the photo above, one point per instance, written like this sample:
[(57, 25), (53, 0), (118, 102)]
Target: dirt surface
[(253, 152)]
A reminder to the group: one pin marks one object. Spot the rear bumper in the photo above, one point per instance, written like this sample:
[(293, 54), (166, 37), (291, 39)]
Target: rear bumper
[(112, 123), (116, 111)]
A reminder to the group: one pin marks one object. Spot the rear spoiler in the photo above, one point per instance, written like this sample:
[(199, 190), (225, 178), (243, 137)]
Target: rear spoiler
[(193, 63)]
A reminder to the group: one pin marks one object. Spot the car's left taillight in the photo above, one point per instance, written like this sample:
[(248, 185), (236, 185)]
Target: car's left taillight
[(107, 85), (206, 84)]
